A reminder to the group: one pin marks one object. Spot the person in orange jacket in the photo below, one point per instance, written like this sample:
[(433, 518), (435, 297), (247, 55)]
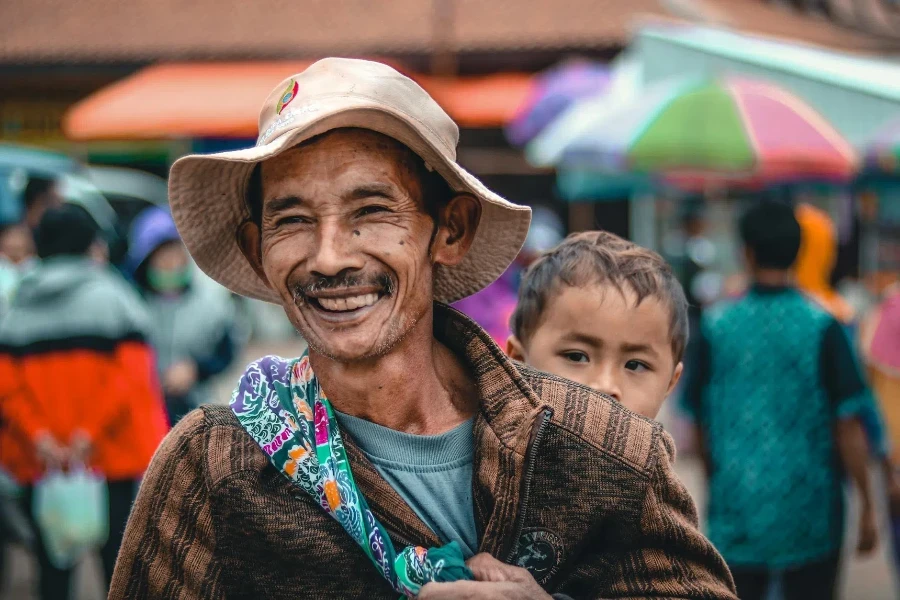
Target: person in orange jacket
[(77, 379)]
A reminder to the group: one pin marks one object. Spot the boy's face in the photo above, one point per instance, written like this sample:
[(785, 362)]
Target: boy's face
[(596, 336)]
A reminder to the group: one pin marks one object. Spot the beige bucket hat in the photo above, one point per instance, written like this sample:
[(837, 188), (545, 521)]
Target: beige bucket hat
[(207, 193)]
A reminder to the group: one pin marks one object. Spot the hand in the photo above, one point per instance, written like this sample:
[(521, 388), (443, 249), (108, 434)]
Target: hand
[(49, 451), (868, 532), (493, 579), (893, 489), (80, 447), (180, 378)]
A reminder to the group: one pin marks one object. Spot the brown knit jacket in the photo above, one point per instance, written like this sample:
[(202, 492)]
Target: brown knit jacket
[(566, 483)]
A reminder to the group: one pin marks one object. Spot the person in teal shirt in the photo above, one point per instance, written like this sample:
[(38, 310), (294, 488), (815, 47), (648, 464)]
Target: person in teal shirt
[(777, 397)]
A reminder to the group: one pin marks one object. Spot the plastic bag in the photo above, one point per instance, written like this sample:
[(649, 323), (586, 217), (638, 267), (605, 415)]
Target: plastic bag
[(72, 513)]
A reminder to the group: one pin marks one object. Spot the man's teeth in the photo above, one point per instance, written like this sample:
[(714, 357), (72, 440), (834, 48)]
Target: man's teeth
[(351, 303)]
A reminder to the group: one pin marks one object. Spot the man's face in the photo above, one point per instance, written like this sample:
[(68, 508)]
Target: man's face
[(345, 241)]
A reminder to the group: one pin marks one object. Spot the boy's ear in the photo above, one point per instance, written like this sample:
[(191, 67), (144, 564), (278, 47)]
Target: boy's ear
[(676, 377), (515, 349)]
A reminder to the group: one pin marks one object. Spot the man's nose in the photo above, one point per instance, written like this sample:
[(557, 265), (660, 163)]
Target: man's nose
[(335, 250)]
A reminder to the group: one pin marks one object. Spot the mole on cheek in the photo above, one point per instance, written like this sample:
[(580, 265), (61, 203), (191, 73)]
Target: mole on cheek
[(402, 242), (356, 232)]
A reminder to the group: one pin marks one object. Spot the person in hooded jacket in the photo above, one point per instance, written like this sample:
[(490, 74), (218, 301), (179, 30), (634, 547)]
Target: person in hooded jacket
[(77, 382), (193, 324)]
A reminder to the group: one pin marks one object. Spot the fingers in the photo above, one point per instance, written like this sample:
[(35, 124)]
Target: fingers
[(487, 568), (464, 590), (868, 536), (867, 544)]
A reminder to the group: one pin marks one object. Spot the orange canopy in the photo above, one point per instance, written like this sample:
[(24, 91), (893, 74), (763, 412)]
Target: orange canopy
[(183, 100)]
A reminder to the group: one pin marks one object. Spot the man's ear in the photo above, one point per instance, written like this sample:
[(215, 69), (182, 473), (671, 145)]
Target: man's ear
[(676, 377), (515, 349), (456, 230), (249, 239)]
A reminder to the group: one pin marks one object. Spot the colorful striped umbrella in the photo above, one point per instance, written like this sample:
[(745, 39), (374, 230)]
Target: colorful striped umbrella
[(883, 154), (728, 131), (552, 92)]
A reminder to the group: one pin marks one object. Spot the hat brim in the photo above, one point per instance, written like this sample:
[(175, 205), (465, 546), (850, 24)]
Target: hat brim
[(207, 194)]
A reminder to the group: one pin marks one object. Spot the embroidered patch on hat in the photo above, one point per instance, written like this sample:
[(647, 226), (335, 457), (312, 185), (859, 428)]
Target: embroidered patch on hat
[(289, 93), (540, 552)]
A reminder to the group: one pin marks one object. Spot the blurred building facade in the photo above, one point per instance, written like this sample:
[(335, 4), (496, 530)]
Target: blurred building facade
[(54, 53)]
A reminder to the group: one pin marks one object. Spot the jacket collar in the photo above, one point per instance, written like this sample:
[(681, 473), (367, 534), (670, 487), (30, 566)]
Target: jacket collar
[(503, 427)]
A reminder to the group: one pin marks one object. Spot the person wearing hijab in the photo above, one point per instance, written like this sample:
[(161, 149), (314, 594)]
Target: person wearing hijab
[(818, 253)]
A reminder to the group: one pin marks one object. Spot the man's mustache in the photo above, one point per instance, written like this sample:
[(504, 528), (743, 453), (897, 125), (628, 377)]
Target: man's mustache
[(308, 287)]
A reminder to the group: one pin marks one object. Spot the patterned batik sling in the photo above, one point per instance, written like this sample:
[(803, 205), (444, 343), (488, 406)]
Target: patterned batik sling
[(281, 405)]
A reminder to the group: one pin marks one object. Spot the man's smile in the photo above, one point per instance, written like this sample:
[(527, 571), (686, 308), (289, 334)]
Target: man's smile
[(344, 305), (347, 304)]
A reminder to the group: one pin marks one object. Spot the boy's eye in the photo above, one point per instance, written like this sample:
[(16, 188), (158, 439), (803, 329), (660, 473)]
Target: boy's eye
[(370, 210), (576, 356), (636, 365)]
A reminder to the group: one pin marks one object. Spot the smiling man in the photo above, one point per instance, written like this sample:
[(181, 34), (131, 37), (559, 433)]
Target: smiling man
[(404, 453)]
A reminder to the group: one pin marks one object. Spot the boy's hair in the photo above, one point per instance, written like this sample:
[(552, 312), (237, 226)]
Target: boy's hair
[(771, 231), (600, 257)]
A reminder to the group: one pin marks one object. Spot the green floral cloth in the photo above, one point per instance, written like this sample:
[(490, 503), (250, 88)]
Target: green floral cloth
[(281, 405)]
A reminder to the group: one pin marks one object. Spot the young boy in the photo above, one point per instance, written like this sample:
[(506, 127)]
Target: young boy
[(606, 313)]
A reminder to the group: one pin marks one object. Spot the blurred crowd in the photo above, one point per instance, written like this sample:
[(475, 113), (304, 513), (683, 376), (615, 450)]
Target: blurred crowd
[(98, 357)]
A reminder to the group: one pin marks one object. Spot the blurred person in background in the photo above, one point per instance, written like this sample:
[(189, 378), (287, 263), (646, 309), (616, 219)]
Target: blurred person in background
[(493, 306), (192, 325), (816, 260), (16, 251), (776, 395), (16, 255), (880, 345), (41, 194), (812, 272), (77, 382)]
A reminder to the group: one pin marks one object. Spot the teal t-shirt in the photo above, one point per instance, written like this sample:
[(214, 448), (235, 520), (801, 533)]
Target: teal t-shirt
[(432, 473)]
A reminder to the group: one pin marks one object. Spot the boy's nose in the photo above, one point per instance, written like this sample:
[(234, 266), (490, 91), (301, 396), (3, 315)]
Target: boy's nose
[(608, 384)]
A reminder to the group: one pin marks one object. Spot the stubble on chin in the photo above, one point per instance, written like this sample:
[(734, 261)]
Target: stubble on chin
[(397, 331)]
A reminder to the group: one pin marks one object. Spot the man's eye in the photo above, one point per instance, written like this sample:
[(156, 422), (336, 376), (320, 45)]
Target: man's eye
[(636, 365), (291, 220), (370, 210), (576, 356)]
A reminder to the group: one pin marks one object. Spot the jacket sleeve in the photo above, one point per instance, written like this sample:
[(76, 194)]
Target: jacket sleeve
[(220, 358), (169, 548), (667, 556), (17, 410)]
